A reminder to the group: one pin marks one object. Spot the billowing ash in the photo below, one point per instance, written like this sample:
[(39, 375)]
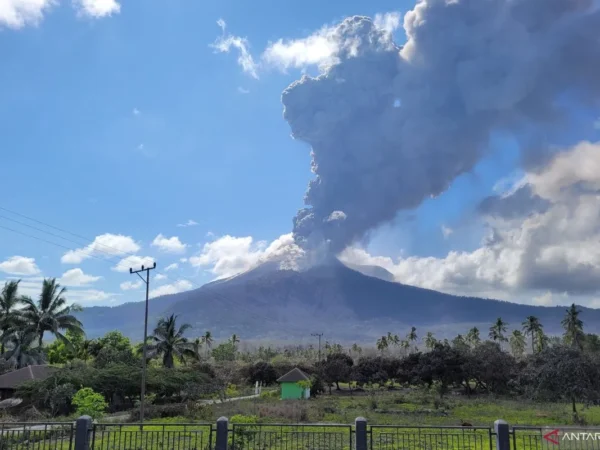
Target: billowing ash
[(390, 126)]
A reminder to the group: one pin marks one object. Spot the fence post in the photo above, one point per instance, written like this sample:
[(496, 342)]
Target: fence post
[(360, 427), (83, 427), (222, 431), (502, 435)]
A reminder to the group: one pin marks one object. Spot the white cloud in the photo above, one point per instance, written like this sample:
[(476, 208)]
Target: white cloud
[(136, 112), (170, 267), (189, 223), (106, 245), (242, 90), (321, 48), (229, 255), (89, 296), (130, 285), (97, 8), (19, 265), (183, 260), (135, 262), (174, 288), (169, 245), (389, 22), (160, 277), (76, 277), (556, 251), (226, 42), (19, 13), (447, 231)]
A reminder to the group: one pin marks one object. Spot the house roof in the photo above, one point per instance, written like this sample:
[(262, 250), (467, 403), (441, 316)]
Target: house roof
[(12, 380), (293, 376)]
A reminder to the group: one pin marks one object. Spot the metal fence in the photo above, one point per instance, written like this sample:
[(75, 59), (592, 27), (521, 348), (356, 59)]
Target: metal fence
[(84, 435), (392, 437), (291, 437), (152, 437), (46, 436)]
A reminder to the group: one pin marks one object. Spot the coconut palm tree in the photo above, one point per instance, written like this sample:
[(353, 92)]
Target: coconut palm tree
[(382, 343), (234, 339), (196, 345), (9, 315), (393, 339), (473, 338), (497, 330), (517, 343), (167, 341), (51, 312), (573, 326), (412, 337), (533, 328), (22, 350), (207, 340), (430, 340)]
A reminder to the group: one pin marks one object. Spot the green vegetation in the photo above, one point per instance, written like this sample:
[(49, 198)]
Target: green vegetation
[(522, 376)]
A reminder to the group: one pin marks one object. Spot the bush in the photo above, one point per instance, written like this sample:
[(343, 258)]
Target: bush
[(160, 411), (270, 394), (89, 403)]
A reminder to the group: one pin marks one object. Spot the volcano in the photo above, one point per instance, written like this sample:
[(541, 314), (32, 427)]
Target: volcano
[(348, 304)]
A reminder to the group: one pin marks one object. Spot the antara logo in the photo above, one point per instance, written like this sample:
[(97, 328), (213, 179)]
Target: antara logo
[(555, 436)]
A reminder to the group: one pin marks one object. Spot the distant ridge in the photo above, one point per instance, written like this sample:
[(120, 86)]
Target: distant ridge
[(353, 303)]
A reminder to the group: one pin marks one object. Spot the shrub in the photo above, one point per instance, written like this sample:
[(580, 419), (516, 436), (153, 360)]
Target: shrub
[(270, 394), (89, 403)]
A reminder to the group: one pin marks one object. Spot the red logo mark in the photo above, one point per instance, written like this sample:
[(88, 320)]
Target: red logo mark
[(552, 436)]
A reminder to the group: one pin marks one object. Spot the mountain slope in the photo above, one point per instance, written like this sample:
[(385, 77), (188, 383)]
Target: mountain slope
[(266, 303)]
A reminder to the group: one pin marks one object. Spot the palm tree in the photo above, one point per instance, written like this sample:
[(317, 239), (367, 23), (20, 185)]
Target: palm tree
[(22, 349), (196, 344), (393, 339), (473, 337), (573, 326), (412, 336), (533, 327), (356, 349), (51, 312), (517, 343), (234, 339), (382, 343), (430, 340), (207, 340), (168, 341), (497, 330), (9, 299)]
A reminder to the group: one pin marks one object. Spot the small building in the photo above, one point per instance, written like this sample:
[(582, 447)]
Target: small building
[(294, 385), (10, 381)]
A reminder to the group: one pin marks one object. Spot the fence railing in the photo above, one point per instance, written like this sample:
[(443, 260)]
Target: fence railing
[(37, 435), (85, 435)]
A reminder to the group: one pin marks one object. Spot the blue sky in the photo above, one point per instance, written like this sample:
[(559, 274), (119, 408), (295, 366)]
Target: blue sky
[(122, 119)]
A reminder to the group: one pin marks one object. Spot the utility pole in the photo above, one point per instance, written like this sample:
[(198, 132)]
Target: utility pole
[(147, 281), (319, 336)]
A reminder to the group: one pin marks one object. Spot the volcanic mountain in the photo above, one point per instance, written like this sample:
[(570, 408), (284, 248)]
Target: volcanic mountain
[(349, 304)]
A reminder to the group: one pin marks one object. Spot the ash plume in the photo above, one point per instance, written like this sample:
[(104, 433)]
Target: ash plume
[(390, 126)]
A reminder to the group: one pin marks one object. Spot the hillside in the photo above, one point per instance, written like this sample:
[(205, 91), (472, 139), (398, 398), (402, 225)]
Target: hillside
[(266, 303)]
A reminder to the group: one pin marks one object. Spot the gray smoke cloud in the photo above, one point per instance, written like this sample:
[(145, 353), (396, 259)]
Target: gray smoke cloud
[(390, 126)]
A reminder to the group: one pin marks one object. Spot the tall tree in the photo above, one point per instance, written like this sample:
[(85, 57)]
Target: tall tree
[(412, 337), (207, 340), (532, 327), (573, 326), (9, 315), (22, 350), (382, 344), (473, 338), (497, 330), (168, 341), (51, 312), (393, 339), (430, 340), (235, 339), (517, 344)]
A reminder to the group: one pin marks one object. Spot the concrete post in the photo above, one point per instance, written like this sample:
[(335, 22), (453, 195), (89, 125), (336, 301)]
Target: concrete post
[(502, 435), (83, 428), (360, 426), (222, 433)]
